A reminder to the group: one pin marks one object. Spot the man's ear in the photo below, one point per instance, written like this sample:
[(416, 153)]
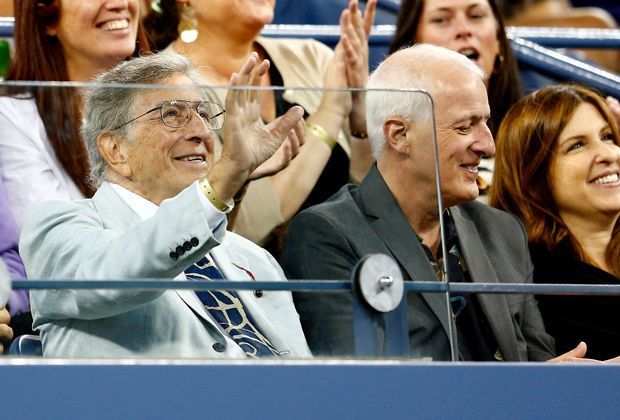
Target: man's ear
[(114, 151), (395, 131)]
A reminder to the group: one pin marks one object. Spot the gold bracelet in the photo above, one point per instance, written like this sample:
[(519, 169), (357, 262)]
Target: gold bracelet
[(217, 202), (322, 134)]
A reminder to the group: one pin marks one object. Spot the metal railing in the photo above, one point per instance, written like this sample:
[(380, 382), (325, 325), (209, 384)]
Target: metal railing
[(323, 286), (366, 313), (531, 45), (382, 34)]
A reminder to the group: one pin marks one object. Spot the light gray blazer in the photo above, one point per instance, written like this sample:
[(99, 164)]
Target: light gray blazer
[(103, 238), (327, 240)]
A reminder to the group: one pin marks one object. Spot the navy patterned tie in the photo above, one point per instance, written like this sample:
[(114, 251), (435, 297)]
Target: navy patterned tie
[(228, 311)]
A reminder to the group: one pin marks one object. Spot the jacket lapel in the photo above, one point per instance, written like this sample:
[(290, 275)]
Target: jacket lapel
[(495, 307), (235, 266), (394, 231)]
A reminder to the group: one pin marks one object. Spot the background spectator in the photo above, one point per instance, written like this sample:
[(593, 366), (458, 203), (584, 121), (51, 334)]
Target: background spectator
[(18, 299), (473, 29), (18, 303), (558, 169), (41, 155)]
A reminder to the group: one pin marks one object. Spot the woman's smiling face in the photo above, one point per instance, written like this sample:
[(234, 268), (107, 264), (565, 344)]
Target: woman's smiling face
[(585, 169)]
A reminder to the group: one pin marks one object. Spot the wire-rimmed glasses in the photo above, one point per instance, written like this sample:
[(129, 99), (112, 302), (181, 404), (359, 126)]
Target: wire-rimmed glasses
[(176, 113)]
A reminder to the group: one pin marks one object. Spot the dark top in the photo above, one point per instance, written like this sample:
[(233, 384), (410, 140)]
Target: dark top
[(336, 172), (571, 319), (474, 335)]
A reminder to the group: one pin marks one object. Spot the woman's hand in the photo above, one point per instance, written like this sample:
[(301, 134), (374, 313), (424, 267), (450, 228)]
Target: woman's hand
[(336, 102), (356, 28), (349, 69)]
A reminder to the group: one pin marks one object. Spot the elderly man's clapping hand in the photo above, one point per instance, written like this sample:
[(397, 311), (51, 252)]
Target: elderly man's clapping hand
[(248, 142)]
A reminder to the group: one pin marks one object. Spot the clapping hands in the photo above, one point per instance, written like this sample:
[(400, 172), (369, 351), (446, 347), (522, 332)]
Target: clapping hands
[(248, 142)]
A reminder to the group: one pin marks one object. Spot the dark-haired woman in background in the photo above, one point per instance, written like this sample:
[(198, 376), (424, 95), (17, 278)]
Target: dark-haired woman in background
[(557, 168), (473, 28), (41, 154)]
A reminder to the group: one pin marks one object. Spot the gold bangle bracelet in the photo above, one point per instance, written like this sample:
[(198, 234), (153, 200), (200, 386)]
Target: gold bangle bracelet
[(322, 134), (213, 198)]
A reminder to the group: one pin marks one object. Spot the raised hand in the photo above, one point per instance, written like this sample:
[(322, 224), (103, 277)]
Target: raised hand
[(248, 142), (285, 153), (355, 28), (335, 102)]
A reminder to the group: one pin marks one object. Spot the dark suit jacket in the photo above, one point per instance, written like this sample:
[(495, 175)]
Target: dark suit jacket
[(326, 241)]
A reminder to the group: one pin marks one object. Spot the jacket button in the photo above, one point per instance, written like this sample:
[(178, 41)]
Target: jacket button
[(194, 241), (180, 250), (219, 347), (173, 255), (187, 246), (258, 293)]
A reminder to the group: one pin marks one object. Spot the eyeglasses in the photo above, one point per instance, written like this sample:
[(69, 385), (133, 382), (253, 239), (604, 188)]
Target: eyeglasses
[(177, 113)]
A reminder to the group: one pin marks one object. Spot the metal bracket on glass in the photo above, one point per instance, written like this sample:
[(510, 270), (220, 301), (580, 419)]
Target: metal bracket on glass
[(379, 310)]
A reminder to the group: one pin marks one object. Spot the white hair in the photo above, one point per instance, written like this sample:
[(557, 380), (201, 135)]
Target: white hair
[(418, 68)]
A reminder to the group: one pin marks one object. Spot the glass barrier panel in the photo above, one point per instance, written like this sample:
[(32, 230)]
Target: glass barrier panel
[(175, 171)]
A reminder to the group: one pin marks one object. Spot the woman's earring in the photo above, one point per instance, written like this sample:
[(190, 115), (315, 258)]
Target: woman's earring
[(188, 24), (156, 7), (499, 62)]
